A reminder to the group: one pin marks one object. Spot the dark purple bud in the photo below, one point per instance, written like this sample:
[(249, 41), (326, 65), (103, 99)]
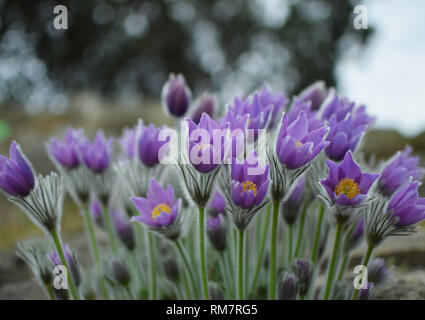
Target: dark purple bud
[(97, 155), (291, 207), (118, 272), (315, 94), (207, 103), (66, 152), (176, 96), (171, 269), (96, 211), (16, 174), (72, 262), (365, 294), (288, 287), (123, 228), (304, 271), (217, 205), (149, 145), (217, 232), (378, 271)]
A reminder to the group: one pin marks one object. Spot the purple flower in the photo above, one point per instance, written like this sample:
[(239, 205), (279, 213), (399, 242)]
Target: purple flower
[(204, 104), (128, 142), (217, 232), (96, 211), (71, 260), (378, 271), (123, 228), (365, 293), (176, 96), (149, 145), (250, 182), (315, 94), (398, 171), (97, 155), (278, 101), (346, 185), (207, 146), (237, 124), (304, 271), (217, 204), (159, 209), (297, 144), (405, 205), (16, 174), (292, 205), (66, 152), (288, 286), (347, 125)]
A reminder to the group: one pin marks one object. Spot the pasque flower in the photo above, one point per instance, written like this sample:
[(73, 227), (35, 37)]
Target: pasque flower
[(378, 272), (128, 142), (123, 228), (72, 261), (304, 271), (149, 145), (346, 185), (97, 155), (66, 152), (16, 174), (288, 286), (176, 96), (315, 94), (399, 170), (292, 205), (297, 144), (206, 103), (96, 211), (216, 205), (278, 100), (347, 125), (159, 210), (250, 182), (217, 232)]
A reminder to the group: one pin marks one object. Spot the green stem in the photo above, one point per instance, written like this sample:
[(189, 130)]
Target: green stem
[(272, 283), (59, 248), (152, 265), (289, 244), (332, 264), (130, 294), (201, 234), (49, 291), (189, 271), (301, 228), (110, 229), (365, 262), (240, 264), (95, 251), (342, 268), (260, 257), (226, 274), (317, 233)]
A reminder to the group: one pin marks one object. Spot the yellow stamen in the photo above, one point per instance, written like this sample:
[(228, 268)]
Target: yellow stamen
[(156, 212), (298, 144), (348, 187), (249, 185)]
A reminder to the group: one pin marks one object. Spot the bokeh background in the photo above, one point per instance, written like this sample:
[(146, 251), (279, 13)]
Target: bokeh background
[(108, 68)]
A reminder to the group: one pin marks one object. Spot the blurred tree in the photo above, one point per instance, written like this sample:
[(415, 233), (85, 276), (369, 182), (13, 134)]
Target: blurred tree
[(121, 47)]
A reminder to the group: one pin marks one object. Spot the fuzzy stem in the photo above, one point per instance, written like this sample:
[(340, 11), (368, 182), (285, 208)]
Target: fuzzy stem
[(289, 244), (342, 268), (201, 234), (317, 234), (272, 282), (152, 265), (332, 264), (260, 257), (59, 248), (110, 230), (365, 262), (189, 271), (240, 264), (301, 228), (95, 251)]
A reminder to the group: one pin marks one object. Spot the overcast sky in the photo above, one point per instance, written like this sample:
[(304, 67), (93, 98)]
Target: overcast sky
[(390, 76)]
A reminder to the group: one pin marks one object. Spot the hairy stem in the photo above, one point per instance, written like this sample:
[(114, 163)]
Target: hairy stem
[(317, 233), (332, 262), (240, 264), (272, 282), (365, 262), (201, 234)]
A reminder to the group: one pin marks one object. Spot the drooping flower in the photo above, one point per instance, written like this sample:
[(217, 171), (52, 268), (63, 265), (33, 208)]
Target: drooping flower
[(292, 205), (149, 145), (217, 232), (398, 171), (315, 94), (71, 260), (346, 185), (277, 100), (216, 205), (250, 182), (406, 208), (123, 228), (16, 173), (66, 152), (207, 103), (297, 144), (347, 123), (97, 155), (207, 146), (304, 271), (159, 210), (176, 96)]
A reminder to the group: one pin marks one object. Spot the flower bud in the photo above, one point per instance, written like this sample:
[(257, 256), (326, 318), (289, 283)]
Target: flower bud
[(378, 272), (304, 271), (123, 229), (204, 104), (96, 211), (118, 273), (216, 205), (365, 294), (288, 286), (292, 206), (217, 232), (171, 269), (72, 262), (176, 96)]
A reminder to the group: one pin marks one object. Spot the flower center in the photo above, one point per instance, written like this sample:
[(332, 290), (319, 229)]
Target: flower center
[(348, 187), (249, 185), (298, 144), (156, 212)]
